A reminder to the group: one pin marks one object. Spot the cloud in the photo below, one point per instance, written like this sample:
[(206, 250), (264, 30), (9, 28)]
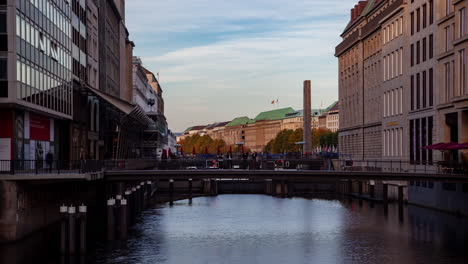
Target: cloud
[(222, 59)]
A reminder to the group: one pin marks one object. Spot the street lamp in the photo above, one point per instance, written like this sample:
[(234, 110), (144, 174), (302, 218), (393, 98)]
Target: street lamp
[(301, 143), (239, 145), (177, 146)]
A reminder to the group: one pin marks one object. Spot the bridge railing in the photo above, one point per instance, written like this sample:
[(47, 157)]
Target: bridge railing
[(441, 167), (50, 167), (249, 164)]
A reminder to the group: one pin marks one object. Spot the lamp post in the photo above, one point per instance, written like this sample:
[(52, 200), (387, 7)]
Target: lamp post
[(239, 145), (301, 143), (177, 146)]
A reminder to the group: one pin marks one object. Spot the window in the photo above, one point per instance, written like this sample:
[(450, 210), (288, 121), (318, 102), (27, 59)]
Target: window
[(448, 6), (3, 23), (412, 23), (385, 35), (424, 49), (418, 19), (462, 85), (418, 91), (412, 92), (431, 46), (447, 38), (424, 89), (401, 61), (411, 141), (431, 87), (431, 12), (418, 52), (424, 10), (447, 82), (462, 22), (3, 69), (412, 54), (417, 138), (430, 126)]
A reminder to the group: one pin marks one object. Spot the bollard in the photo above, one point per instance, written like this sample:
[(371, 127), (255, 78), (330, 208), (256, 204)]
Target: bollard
[(133, 211), (290, 186), (110, 219), (171, 191), (138, 199), (400, 195), (372, 190), (283, 191), (143, 195), (148, 190), (190, 188), (123, 219), (83, 211), (71, 230), (63, 229), (128, 200), (385, 193)]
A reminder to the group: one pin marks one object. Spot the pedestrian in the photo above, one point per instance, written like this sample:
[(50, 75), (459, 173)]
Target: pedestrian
[(49, 160), (229, 160), (220, 161), (254, 160)]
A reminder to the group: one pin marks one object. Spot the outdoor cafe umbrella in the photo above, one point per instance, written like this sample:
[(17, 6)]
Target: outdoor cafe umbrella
[(206, 150), (169, 152), (194, 151)]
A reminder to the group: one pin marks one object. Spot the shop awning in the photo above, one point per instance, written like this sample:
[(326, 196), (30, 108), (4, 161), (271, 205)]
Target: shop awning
[(460, 146), (442, 146), (130, 110)]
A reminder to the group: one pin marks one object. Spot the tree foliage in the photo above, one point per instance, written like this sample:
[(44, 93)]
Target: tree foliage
[(286, 140), (203, 143)]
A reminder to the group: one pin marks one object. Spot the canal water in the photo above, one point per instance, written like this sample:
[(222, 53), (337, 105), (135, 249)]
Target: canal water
[(264, 229)]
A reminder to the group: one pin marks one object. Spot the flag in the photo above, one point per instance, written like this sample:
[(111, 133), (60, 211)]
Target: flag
[(273, 102), (277, 100)]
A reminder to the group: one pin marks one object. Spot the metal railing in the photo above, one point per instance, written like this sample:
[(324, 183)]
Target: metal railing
[(94, 166), (50, 167), (440, 167)]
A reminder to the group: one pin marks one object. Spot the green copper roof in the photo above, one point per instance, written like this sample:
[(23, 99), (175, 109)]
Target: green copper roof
[(240, 121), (331, 106), (188, 129), (368, 8), (274, 114)]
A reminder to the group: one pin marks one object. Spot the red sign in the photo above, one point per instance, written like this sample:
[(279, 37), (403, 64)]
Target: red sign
[(39, 127), (6, 124)]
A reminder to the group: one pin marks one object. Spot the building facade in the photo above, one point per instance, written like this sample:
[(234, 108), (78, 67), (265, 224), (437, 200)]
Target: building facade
[(36, 98), (255, 133)]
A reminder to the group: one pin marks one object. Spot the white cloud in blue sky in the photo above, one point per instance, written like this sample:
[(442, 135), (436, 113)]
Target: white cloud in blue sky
[(222, 59)]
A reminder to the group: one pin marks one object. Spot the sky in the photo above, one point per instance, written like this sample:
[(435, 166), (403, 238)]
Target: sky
[(220, 59)]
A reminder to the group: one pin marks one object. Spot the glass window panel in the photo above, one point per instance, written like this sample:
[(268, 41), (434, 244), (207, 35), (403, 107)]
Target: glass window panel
[(18, 26), (23, 29), (18, 71), (23, 72)]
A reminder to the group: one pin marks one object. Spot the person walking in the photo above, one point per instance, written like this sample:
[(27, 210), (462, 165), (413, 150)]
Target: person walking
[(49, 160), (229, 160), (254, 160)]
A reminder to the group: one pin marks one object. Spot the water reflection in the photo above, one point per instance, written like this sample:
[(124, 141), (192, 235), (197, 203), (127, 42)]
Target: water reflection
[(263, 229)]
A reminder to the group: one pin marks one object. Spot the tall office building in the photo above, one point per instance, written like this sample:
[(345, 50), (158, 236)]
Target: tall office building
[(36, 98)]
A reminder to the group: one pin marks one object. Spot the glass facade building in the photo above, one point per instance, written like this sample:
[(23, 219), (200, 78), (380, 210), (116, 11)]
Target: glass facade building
[(44, 55)]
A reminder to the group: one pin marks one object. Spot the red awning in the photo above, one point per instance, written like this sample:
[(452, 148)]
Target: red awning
[(460, 146), (442, 146)]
